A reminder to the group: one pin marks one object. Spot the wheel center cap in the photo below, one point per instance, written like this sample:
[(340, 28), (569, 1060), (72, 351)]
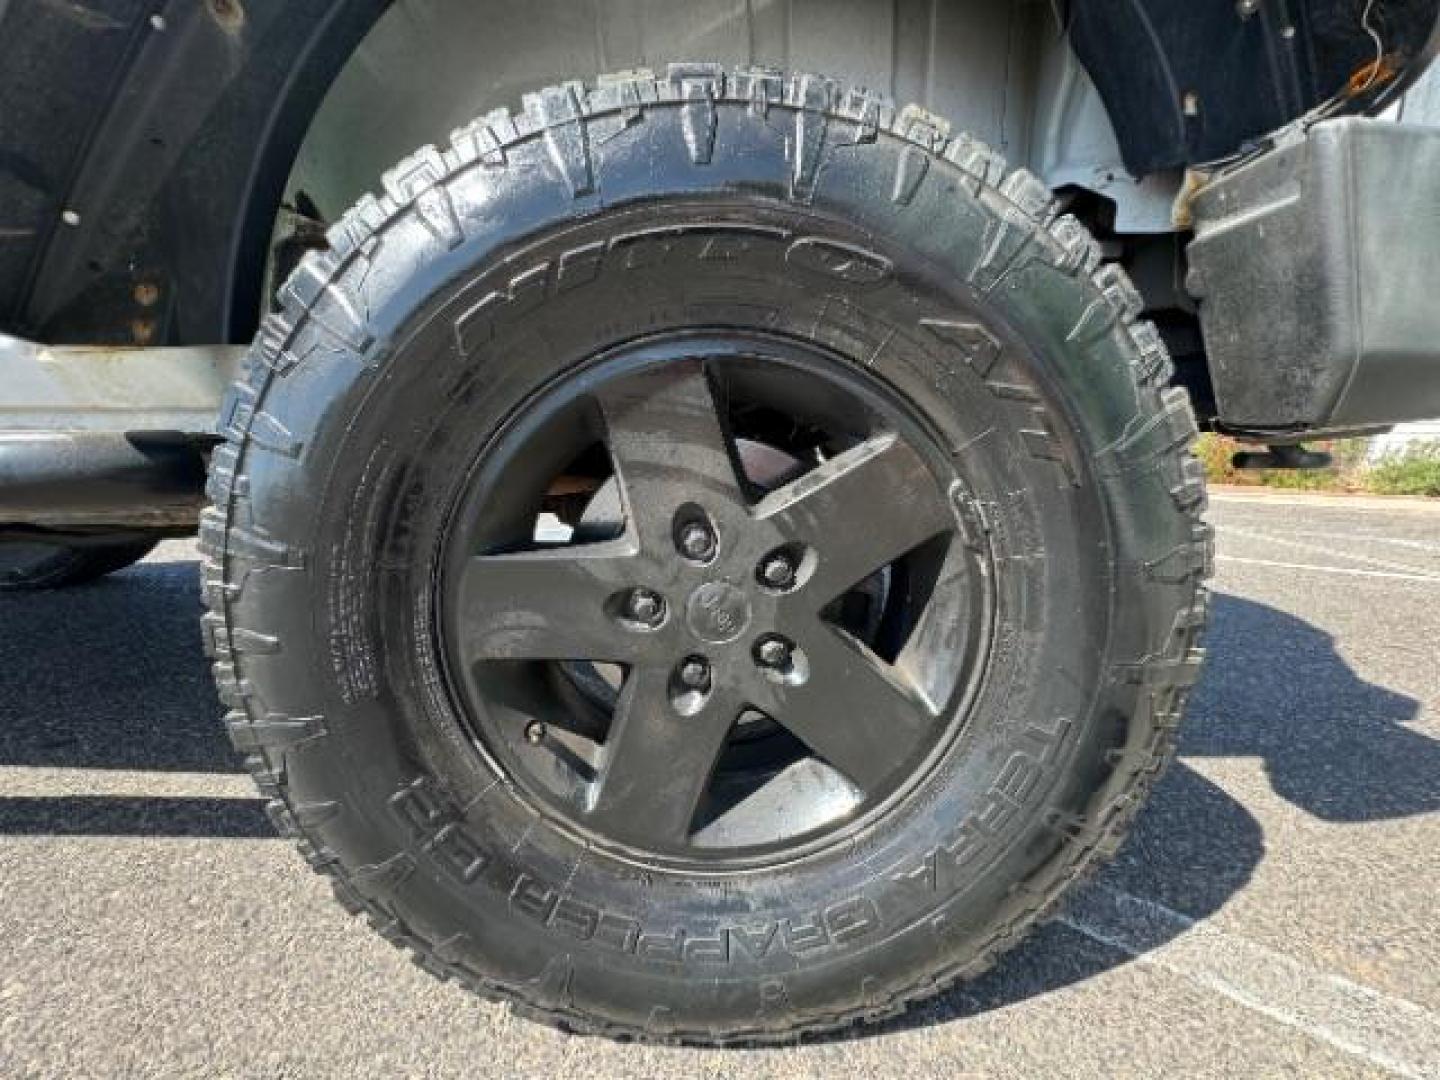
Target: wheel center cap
[(717, 612)]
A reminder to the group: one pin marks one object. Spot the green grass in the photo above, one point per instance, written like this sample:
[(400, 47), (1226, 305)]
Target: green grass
[(1415, 470)]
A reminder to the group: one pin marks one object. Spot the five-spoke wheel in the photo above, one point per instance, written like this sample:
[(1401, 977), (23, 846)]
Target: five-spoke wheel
[(705, 586)]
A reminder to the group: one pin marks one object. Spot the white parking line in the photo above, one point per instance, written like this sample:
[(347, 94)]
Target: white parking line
[(1331, 551), (1397, 504), (1394, 1034), (1361, 537), (1343, 570)]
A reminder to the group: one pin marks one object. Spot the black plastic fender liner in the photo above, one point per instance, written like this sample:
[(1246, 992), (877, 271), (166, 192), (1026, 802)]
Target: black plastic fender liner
[(143, 155), (1316, 266), (68, 480), (1186, 83)]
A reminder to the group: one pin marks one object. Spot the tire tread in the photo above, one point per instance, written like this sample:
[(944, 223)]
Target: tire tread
[(319, 283)]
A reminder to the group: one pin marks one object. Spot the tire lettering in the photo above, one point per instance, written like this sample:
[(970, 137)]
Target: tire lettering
[(845, 262)]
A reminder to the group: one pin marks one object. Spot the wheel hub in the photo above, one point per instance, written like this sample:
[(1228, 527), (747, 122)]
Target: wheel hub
[(718, 612)]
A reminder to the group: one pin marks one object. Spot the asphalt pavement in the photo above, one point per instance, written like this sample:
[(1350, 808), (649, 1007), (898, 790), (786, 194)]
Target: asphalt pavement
[(1276, 912)]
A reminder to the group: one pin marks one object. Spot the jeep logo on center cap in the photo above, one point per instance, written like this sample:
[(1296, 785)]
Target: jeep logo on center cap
[(717, 612)]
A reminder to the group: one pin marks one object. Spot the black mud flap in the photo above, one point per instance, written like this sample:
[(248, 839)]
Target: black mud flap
[(1317, 266)]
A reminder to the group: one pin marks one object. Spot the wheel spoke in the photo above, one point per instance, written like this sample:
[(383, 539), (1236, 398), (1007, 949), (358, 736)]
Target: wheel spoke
[(859, 511), (669, 445), (656, 762), (852, 710), (551, 605)]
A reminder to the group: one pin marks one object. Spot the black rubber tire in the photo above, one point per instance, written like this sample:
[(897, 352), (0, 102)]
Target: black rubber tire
[(481, 272), (67, 565)]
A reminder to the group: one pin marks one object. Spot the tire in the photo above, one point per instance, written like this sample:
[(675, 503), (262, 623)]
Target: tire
[(26, 566), (785, 227)]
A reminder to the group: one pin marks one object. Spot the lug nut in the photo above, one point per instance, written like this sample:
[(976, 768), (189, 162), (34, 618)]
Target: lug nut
[(535, 733), (697, 541), (695, 673), (773, 652), (645, 607), (778, 571)]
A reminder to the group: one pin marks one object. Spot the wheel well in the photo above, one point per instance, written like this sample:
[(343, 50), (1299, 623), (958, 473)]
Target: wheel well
[(998, 70), (227, 116), (144, 155), (143, 199)]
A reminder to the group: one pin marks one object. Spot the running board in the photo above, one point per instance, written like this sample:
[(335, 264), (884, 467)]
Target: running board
[(95, 388)]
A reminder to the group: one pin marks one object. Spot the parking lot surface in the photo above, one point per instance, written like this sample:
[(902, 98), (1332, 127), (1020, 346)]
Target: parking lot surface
[(1276, 912)]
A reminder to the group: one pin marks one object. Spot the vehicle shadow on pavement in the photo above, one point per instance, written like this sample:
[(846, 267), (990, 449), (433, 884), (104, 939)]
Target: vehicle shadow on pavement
[(112, 676), (1333, 744)]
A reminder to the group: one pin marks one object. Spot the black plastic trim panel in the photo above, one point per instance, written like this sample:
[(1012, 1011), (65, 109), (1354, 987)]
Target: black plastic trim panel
[(1316, 266)]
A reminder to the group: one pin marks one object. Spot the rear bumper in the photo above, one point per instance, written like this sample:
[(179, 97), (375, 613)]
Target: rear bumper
[(1317, 267)]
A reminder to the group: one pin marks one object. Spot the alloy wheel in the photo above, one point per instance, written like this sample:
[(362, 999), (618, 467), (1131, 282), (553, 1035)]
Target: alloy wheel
[(711, 601)]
